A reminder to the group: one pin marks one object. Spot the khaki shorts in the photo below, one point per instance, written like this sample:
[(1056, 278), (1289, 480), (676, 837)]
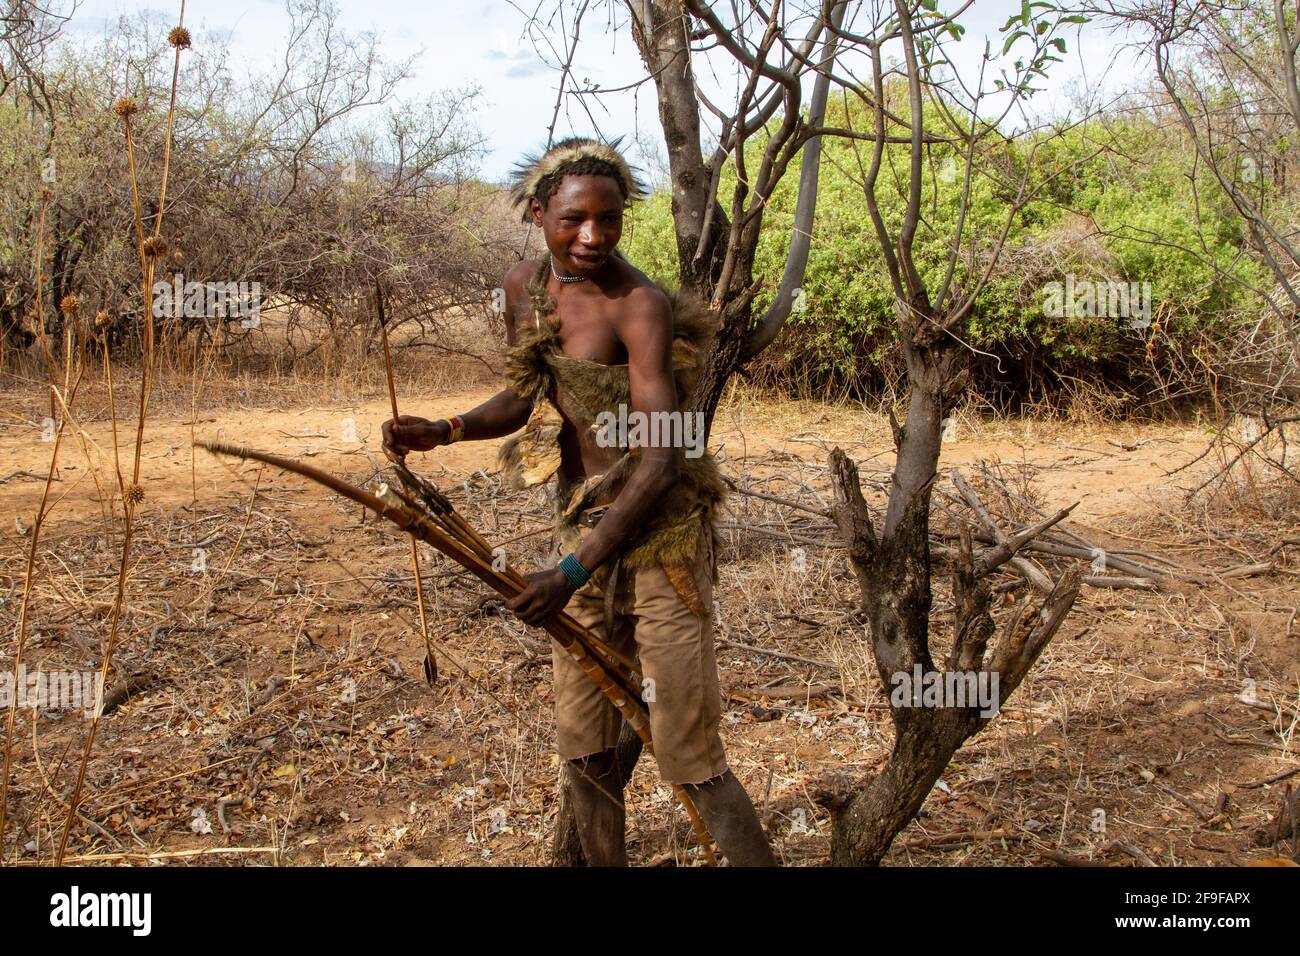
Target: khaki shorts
[(675, 648)]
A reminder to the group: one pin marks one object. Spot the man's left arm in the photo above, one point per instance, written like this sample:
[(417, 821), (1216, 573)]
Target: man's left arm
[(646, 331)]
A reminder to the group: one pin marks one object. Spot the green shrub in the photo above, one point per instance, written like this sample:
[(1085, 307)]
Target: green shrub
[(1115, 205)]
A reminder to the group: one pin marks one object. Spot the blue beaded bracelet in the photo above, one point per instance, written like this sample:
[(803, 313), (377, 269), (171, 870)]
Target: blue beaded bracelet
[(574, 571)]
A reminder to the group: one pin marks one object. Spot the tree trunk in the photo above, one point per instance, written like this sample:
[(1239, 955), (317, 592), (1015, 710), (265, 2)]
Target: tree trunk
[(659, 29), (864, 826), (893, 572)]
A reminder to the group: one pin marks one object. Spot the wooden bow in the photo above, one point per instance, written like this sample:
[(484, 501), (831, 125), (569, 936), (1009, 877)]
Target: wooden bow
[(423, 512)]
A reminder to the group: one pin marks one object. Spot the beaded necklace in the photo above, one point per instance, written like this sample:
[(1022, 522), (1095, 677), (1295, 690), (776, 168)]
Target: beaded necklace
[(551, 259)]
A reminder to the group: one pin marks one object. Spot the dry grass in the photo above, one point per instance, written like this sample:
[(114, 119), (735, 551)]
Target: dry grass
[(281, 702)]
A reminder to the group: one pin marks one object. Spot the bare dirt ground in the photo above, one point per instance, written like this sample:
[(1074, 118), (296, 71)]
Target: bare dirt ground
[(281, 714)]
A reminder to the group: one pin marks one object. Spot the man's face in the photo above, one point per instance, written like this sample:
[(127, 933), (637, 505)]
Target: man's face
[(582, 222)]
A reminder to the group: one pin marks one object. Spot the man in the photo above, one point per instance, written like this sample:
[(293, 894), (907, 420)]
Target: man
[(592, 336)]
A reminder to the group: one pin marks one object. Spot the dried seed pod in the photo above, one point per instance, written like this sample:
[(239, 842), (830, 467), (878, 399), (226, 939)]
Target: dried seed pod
[(155, 247), (102, 319), (70, 305), (179, 38), (126, 107), (135, 494)]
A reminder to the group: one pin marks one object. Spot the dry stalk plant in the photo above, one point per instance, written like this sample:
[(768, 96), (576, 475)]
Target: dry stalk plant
[(150, 250), (70, 385)]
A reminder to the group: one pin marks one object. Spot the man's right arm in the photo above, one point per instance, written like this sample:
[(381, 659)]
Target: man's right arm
[(502, 414)]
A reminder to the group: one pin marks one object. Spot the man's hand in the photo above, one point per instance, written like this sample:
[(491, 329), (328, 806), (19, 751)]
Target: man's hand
[(412, 433), (546, 595)]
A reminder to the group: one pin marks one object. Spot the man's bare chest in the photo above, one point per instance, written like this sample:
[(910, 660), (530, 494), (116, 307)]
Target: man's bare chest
[(585, 331)]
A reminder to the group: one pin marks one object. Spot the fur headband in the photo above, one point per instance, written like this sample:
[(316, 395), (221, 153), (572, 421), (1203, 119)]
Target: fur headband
[(528, 175)]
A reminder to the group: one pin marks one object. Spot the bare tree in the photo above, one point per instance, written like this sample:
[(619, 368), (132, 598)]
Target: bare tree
[(716, 245), (892, 559), (310, 180), (28, 29)]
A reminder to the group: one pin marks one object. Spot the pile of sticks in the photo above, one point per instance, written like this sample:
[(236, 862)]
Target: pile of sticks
[(419, 509), (1112, 569), (1017, 535)]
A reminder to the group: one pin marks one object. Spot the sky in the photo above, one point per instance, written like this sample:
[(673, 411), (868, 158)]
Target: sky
[(487, 44)]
